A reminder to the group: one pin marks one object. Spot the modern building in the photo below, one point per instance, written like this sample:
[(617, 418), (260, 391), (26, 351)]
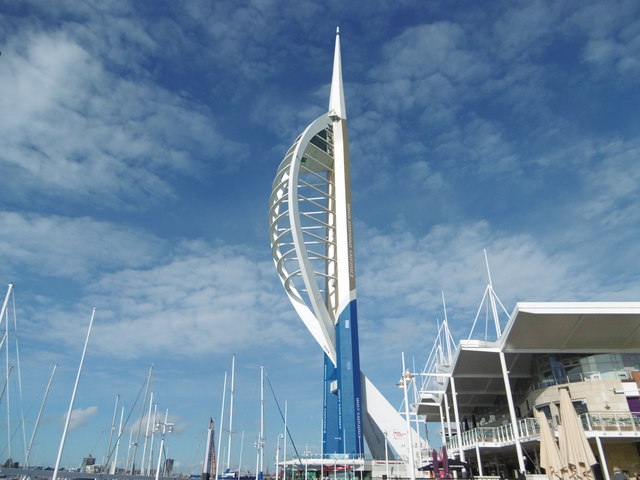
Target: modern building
[(311, 235), (484, 391)]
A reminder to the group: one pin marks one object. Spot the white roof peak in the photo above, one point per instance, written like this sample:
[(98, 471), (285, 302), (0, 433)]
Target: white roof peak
[(336, 98)]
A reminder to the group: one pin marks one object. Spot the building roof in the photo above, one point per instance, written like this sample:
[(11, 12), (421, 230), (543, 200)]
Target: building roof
[(573, 327), (533, 328)]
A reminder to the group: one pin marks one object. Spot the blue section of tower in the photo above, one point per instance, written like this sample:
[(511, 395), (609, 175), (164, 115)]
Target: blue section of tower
[(331, 421), (343, 412)]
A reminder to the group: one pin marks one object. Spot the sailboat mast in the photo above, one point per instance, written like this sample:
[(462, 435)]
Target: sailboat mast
[(284, 448), (73, 398), (224, 393), (20, 397), (261, 444), (107, 458), (4, 316), (153, 436), (6, 350), (144, 406), (44, 401), (114, 465), (6, 302), (146, 434), (233, 372), (241, 451)]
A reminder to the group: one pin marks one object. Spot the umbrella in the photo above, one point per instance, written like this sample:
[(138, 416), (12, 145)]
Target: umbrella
[(574, 446), (445, 462), (436, 468), (550, 458)]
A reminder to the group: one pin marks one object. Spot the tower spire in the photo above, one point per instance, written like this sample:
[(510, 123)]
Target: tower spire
[(336, 98)]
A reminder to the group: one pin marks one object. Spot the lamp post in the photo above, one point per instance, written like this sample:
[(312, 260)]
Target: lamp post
[(163, 427), (407, 377), (306, 463), (386, 452), (278, 456)]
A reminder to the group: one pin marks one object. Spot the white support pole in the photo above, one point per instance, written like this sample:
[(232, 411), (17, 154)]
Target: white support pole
[(405, 387), (442, 425), (73, 398), (448, 415), (512, 411), (479, 461), (603, 460), (492, 299), (454, 395)]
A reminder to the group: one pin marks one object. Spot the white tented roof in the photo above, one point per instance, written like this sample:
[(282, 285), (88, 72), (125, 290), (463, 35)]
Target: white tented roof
[(534, 328)]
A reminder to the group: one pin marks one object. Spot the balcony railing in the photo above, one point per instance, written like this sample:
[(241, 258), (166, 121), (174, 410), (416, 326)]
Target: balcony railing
[(594, 424)]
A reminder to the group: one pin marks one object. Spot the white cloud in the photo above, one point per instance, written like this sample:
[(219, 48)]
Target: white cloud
[(78, 132), (613, 37), (612, 187), (425, 67), (402, 275), (81, 417), (525, 29), (57, 246), (204, 299)]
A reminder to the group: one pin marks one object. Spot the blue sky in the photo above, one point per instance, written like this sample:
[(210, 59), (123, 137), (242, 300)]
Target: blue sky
[(138, 142)]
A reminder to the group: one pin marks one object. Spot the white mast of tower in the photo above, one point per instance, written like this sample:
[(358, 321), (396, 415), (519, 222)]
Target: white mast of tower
[(343, 242)]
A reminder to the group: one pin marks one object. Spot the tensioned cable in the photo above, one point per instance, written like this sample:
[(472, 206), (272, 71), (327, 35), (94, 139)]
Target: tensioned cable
[(125, 423), (282, 417)]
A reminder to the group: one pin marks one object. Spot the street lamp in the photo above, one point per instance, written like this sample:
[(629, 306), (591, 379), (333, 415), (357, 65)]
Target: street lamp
[(165, 428), (278, 456), (306, 463)]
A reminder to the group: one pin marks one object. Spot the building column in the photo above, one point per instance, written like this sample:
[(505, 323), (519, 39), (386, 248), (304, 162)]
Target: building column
[(442, 426), (448, 415), (603, 460), (454, 394), (479, 461), (512, 411)]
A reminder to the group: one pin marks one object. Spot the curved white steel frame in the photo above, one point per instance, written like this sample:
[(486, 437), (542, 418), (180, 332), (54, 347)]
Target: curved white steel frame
[(302, 230)]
